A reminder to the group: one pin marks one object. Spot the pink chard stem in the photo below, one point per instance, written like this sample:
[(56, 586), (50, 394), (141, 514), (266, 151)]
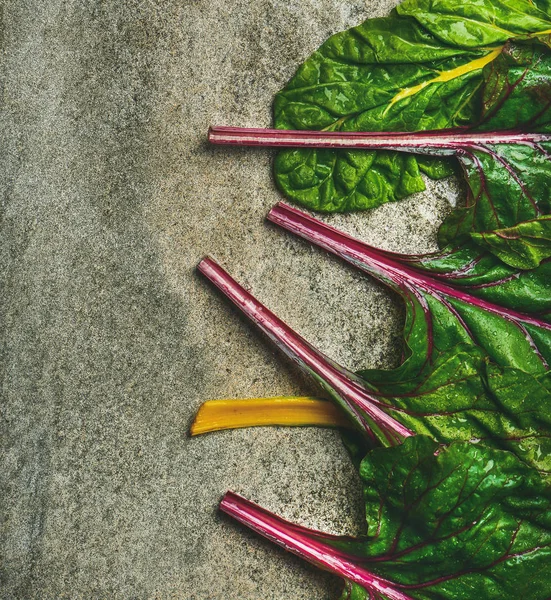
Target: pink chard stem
[(426, 142), (387, 267), (311, 545), (343, 385)]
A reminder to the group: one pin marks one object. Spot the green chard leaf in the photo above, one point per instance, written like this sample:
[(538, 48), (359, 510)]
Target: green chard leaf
[(509, 183), (475, 366), (487, 84), (447, 388), (506, 157), (419, 69), (479, 303), (475, 24), (354, 82), (523, 246), (450, 522)]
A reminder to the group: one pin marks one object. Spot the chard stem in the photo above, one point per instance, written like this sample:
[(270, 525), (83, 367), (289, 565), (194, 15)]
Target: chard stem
[(306, 543), (292, 411), (363, 256), (426, 142), (345, 387), (385, 266)]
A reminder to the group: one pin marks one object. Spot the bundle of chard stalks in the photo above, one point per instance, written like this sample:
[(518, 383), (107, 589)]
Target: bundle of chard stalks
[(455, 451)]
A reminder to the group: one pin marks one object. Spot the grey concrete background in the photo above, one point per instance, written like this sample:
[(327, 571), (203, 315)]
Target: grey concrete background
[(110, 341)]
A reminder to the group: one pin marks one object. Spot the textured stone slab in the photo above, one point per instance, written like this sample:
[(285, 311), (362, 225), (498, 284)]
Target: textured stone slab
[(111, 341)]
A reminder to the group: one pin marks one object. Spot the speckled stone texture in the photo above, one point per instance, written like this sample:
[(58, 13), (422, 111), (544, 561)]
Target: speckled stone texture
[(111, 341)]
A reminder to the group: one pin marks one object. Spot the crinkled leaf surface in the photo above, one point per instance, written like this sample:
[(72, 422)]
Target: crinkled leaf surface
[(473, 369), (461, 522), (349, 84), (440, 315), (509, 183), (406, 72), (481, 23), (462, 396), (523, 246), (450, 522)]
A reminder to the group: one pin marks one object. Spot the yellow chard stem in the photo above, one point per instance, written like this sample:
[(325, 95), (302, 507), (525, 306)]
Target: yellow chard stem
[(215, 415), (474, 65)]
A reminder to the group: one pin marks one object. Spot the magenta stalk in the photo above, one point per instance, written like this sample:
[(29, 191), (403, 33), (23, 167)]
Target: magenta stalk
[(311, 545), (383, 265), (344, 386), (426, 142)]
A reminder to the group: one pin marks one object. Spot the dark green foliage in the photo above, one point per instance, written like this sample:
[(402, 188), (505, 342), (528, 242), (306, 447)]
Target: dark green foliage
[(348, 85), (457, 499), (456, 523), (430, 66), (475, 368), (524, 245), (510, 183)]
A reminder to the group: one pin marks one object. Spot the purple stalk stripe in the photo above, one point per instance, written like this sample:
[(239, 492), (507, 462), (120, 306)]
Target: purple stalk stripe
[(419, 142), (347, 387), (381, 264), (307, 544)]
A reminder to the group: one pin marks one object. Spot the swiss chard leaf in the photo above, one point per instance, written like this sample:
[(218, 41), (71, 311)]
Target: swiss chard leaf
[(455, 522), (509, 182), (523, 246), (486, 277), (440, 315), (353, 83), (475, 24), (447, 387), (455, 394), (419, 69), (506, 160)]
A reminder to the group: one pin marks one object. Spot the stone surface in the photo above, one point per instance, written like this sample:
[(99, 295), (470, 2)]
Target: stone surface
[(111, 341)]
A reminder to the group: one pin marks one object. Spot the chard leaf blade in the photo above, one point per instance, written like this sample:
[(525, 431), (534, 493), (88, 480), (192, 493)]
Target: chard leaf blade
[(437, 509), (473, 369), (444, 66), (474, 24), (439, 314), (356, 82), (452, 522), (523, 246)]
